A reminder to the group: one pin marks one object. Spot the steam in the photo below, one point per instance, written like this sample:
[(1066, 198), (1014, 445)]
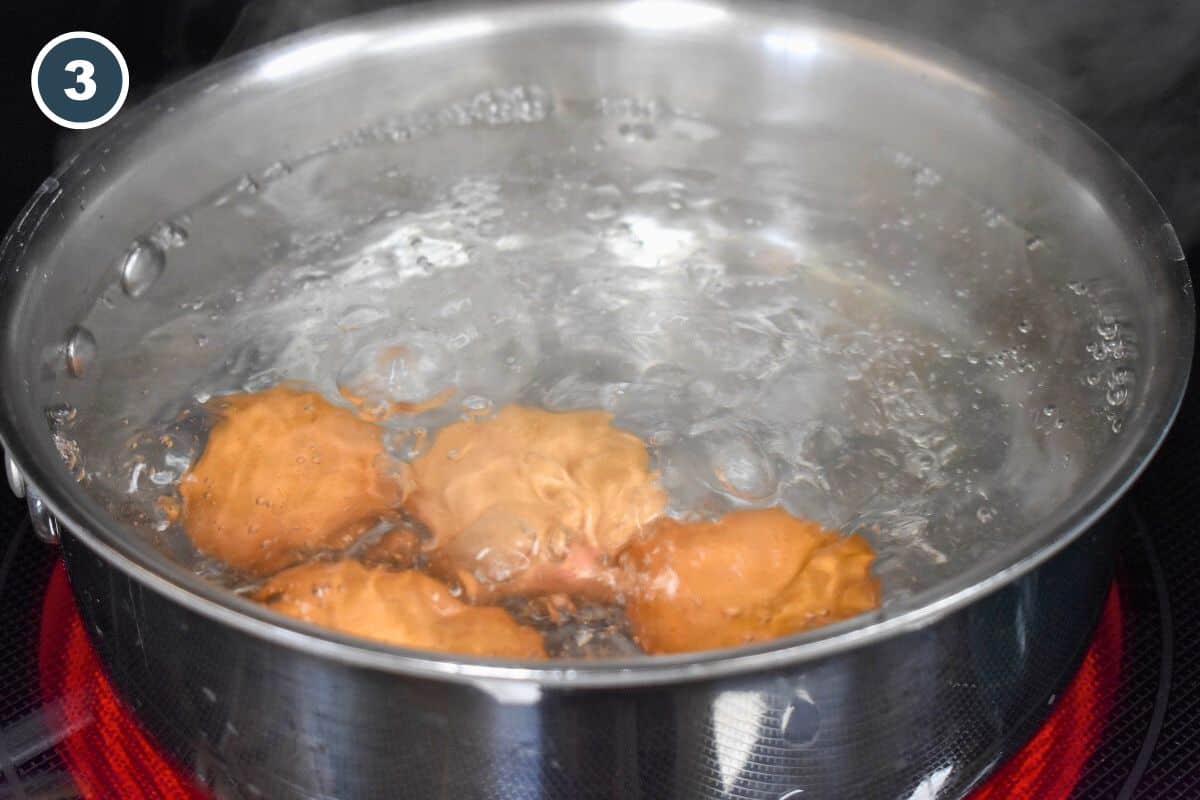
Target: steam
[(265, 20), (1128, 68)]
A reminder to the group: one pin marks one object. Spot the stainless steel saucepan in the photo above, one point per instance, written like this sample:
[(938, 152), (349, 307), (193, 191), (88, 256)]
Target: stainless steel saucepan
[(841, 271)]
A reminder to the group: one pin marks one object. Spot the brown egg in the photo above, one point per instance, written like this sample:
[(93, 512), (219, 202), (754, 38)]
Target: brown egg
[(747, 577), (285, 473), (534, 501), (409, 609)]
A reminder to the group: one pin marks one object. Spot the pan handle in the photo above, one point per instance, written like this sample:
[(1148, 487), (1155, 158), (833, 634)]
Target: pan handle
[(16, 481), (44, 524)]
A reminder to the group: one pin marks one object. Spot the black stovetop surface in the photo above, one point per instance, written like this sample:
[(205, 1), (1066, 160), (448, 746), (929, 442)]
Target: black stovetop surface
[(1152, 743)]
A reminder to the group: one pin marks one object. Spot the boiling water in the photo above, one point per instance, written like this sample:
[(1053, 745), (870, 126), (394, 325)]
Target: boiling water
[(788, 316)]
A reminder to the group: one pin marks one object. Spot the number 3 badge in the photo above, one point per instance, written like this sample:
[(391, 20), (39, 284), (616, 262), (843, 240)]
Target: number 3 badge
[(80, 80)]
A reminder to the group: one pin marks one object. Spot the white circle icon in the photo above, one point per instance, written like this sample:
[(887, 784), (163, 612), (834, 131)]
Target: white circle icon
[(80, 80)]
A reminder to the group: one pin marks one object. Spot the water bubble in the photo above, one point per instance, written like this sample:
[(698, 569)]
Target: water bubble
[(143, 263), (1034, 243), (475, 405), (407, 444), (1078, 287), (247, 185), (1025, 326), (276, 171), (60, 414), (921, 463), (498, 564), (662, 437), (80, 350), (356, 317), (162, 477), (511, 242), (602, 211), (1050, 411), (741, 468), (985, 514), (68, 450), (927, 177), (1117, 395), (605, 202), (170, 235), (643, 131)]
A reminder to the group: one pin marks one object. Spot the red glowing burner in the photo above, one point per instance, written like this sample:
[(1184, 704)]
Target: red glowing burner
[(109, 755), (1052, 762)]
